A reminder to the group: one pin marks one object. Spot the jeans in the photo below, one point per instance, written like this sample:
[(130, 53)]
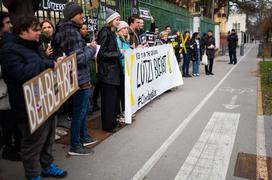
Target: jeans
[(232, 55), (196, 67), (91, 103), (186, 63), (81, 105)]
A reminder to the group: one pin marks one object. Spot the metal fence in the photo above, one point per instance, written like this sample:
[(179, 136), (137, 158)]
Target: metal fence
[(165, 13)]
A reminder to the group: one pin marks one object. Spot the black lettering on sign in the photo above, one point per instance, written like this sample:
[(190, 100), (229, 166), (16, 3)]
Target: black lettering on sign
[(160, 66)]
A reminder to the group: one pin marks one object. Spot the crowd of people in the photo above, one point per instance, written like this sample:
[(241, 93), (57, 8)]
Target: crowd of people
[(28, 47)]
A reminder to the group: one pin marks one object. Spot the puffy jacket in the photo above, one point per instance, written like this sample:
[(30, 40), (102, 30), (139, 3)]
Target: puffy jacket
[(20, 61), (109, 70)]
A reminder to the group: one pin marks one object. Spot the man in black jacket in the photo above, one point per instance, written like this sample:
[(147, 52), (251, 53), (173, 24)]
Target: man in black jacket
[(21, 60), (232, 43)]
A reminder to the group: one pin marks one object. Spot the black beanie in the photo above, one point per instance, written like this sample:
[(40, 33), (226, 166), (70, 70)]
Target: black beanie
[(71, 9)]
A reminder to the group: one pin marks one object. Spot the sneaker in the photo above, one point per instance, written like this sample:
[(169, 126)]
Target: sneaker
[(53, 171), (35, 178), (197, 74), (90, 141), (194, 74), (57, 137), (61, 132), (80, 151)]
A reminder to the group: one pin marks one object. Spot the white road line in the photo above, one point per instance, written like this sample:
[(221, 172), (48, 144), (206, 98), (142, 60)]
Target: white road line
[(210, 156), (260, 137), (163, 148)]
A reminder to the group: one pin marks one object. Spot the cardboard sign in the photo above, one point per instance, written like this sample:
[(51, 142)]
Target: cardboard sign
[(52, 5), (44, 94), (145, 13), (150, 38), (92, 4), (143, 39), (91, 23), (172, 38)]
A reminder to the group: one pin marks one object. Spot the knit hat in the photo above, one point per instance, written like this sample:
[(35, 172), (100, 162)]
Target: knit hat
[(122, 24), (111, 15), (71, 9)]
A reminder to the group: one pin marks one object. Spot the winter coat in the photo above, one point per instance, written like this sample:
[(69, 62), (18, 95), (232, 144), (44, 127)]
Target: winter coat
[(44, 41), (109, 66), (232, 41), (210, 52), (20, 61), (133, 38), (123, 45), (67, 39), (187, 45), (196, 50)]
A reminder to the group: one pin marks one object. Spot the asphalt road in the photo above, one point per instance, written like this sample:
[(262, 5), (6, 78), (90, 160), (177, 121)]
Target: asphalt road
[(193, 132)]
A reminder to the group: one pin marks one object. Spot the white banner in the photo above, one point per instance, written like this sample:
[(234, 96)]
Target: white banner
[(149, 72)]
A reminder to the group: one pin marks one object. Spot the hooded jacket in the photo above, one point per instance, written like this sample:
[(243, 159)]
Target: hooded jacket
[(20, 61)]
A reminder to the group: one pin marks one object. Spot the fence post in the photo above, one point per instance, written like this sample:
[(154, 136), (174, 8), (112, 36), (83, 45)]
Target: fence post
[(242, 46)]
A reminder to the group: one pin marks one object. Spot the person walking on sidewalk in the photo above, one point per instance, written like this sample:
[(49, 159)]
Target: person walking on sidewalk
[(20, 61), (68, 39), (209, 45), (232, 44), (109, 71)]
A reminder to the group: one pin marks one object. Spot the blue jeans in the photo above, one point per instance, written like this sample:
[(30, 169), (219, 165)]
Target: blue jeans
[(186, 63), (81, 105), (196, 67)]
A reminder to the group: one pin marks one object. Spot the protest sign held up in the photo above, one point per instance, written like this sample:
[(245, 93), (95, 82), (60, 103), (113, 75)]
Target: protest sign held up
[(45, 93)]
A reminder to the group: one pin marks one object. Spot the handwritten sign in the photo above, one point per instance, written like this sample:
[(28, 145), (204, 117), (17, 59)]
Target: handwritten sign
[(45, 93)]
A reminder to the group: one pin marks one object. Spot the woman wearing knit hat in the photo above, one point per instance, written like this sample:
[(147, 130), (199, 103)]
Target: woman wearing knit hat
[(109, 71), (123, 46)]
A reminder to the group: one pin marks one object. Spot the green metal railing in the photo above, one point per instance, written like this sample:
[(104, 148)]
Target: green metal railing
[(206, 24), (168, 14)]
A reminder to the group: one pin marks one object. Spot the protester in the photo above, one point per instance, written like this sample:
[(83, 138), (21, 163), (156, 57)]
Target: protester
[(20, 61), (47, 30), (68, 40), (164, 37), (168, 29), (209, 45), (187, 54), (156, 31), (123, 46), (177, 46), (10, 128), (232, 44), (134, 39), (86, 36), (110, 71), (196, 53), (140, 26)]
